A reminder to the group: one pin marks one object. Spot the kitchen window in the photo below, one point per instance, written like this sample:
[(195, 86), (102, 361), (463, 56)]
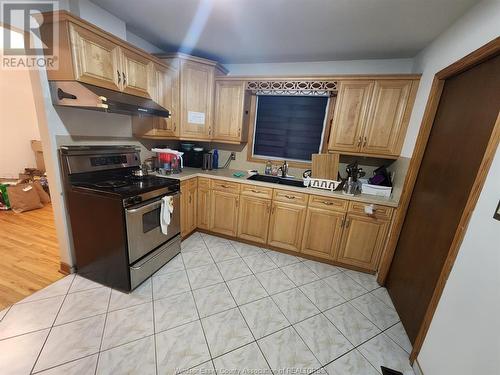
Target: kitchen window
[(289, 127)]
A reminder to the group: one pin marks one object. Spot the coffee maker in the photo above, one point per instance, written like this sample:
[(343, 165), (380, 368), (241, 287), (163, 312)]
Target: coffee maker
[(351, 185)]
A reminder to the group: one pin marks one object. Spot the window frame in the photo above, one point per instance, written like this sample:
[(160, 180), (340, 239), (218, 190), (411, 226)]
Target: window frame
[(252, 122)]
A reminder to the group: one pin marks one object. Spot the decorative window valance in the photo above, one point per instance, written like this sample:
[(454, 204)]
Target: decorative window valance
[(291, 87)]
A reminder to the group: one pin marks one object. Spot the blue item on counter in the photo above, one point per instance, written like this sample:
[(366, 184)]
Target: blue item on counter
[(215, 159)]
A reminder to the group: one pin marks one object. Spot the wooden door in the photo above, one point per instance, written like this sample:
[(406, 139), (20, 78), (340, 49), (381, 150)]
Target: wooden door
[(168, 97), (203, 216), (224, 212), (362, 241), (229, 110), (135, 73), (350, 115), (386, 124), (286, 225), (96, 60), (188, 206), (253, 219), (197, 86), (322, 232), (462, 128)]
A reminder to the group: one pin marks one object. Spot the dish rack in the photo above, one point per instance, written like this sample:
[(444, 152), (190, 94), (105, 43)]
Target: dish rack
[(320, 183)]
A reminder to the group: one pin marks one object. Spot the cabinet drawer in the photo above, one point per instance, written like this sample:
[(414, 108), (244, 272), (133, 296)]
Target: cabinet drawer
[(256, 191), (290, 197), (328, 203), (381, 212), (203, 183), (230, 187)]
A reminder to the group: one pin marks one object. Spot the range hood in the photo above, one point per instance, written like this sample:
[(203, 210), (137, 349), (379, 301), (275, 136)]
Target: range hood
[(82, 95)]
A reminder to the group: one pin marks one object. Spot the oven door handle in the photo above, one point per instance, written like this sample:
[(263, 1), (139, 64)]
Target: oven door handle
[(148, 207)]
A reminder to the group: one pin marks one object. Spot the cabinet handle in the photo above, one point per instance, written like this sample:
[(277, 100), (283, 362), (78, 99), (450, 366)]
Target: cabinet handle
[(119, 77), (364, 142), (237, 202), (359, 141), (289, 196), (274, 209), (239, 132), (255, 191), (327, 203), (342, 222), (189, 199), (124, 78), (268, 208), (225, 186), (347, 223)]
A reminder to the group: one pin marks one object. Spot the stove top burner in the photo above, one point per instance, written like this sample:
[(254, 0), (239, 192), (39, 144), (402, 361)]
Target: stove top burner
[(111, 184)]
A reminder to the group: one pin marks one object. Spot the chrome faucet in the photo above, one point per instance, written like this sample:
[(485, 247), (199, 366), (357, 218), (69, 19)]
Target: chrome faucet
[(284, 169)]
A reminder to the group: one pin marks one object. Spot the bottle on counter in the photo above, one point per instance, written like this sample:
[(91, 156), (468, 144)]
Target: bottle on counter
[(215, 159), (269, 167)]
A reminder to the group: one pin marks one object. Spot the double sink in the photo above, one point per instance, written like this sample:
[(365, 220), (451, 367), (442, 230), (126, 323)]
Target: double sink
[(277, 180)]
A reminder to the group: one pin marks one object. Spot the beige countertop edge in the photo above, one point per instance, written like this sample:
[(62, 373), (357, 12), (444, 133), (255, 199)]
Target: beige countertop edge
[(227, 175)]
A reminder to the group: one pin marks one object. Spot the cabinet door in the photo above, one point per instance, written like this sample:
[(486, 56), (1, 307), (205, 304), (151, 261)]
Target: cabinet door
[(229, 110), (168, 97), (96, 60), (253, 222), (197, 85), (224, 212), (386, 122), (362, 241), (135, 73), (350, 115), (286, 226), (188, 207), (203, 208), (322, 233)]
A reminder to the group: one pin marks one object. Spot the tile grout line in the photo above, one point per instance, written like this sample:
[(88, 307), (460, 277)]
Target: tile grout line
[(50, 330), (154, 325), (243, 316), (103, 331), (198, 313)]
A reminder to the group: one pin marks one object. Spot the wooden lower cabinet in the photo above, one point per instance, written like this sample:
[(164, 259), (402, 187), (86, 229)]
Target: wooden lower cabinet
[(203, 207), (188, 206), (224, 212), (322, 232), (286, 225), (362, 241), (253, 219)]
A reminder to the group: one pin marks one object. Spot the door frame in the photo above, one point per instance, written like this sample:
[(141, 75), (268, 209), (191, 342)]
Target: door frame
[(478, 56)]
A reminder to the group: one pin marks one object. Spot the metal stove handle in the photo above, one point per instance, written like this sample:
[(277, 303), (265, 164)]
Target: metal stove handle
[(150, 206)]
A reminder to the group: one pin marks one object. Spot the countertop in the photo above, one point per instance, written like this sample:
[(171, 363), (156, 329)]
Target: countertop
[(227, 174)]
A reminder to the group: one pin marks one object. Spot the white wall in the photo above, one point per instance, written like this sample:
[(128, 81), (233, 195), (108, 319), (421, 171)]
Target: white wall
[(394, 66), (142, 43), (463, 337), (18, 123), (102, 18)]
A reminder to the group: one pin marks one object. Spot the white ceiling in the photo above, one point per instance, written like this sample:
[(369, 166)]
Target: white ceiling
[(250, 31)]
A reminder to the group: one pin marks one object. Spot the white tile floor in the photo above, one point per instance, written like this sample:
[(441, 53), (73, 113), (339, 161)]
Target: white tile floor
[(219, 306)]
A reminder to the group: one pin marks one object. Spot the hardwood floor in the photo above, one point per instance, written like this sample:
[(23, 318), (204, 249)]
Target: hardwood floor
[(29, 253)]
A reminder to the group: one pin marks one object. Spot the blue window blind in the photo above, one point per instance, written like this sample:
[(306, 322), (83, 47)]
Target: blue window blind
[(289, 127)]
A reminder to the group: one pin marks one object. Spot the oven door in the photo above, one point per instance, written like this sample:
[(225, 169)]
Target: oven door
[(143, 227)]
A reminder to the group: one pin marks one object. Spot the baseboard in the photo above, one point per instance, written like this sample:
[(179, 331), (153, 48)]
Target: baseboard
[(417, 369), (65, 268)]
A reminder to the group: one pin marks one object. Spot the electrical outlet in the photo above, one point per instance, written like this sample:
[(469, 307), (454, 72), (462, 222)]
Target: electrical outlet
[(233, 155)]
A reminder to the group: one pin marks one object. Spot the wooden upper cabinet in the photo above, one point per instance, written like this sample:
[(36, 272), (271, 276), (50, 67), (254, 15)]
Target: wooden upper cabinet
[(362, 241), (168, 92), (231, 112), (253, 218), (96, 60), (350, 114), (135, 73), (196, 87), (322, 232), (386, 124)]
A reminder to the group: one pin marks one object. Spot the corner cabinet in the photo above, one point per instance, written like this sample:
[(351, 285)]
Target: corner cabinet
[(371, 117), (231, 111)]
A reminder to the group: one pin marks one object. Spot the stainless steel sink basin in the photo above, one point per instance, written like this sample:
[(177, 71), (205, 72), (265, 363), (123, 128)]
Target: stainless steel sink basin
[(277, 180)]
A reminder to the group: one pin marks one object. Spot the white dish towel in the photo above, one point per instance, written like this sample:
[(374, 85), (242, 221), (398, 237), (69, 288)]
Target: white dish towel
[(167, 207)]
